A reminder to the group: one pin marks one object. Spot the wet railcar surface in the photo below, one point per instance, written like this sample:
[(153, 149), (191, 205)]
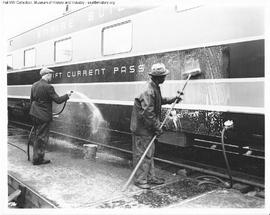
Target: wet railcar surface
[(71, 181)]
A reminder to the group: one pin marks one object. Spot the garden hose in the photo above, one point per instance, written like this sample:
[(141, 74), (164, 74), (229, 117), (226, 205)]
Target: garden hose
[(55, 114), (227, 125)]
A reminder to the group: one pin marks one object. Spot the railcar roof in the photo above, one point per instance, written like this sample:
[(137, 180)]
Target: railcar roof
[(72, 22), (64, 14)]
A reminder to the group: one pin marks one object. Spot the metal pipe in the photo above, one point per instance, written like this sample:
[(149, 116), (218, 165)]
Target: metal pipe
[(92, 142), (16, 146), (78, 138), (204, 147), (214, 142), (211, 172), (166, 161)]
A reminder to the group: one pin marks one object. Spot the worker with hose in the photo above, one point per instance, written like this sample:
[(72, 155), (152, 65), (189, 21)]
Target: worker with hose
[(145, 123), (42, 96)]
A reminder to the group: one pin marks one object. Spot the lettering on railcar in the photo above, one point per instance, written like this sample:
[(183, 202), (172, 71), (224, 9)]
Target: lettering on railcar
[(115, 70), (69, 23)]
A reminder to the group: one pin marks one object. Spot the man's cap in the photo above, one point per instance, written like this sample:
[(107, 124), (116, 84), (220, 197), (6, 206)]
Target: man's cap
[(158, 69), (45, 71)]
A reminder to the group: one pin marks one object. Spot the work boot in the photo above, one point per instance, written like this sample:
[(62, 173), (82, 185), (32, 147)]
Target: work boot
[(142, 185), (38, 162), (156, 181)]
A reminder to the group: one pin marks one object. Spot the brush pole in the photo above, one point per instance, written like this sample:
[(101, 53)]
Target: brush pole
[(138, 164), (183, 88), (153, 139)]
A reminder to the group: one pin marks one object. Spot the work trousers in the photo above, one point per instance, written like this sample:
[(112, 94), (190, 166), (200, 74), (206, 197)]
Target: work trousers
[(146, 170), (41, 137)]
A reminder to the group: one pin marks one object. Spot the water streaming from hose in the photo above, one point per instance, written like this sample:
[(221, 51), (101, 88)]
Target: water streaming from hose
[(96, 119)]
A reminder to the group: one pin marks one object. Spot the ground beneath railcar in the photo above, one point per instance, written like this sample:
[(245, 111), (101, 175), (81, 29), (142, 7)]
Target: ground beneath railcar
[(73, 182)]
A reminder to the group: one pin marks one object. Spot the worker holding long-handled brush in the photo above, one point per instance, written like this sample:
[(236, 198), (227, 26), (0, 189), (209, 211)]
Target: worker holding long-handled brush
[(145, 123), (42, 96)]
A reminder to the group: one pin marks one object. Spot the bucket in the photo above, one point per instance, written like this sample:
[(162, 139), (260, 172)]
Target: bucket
[(90, 151)]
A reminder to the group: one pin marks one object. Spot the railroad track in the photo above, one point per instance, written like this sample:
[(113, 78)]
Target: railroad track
[(26, 196), (168, 163)]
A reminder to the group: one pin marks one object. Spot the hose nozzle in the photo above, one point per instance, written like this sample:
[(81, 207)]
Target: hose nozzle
[(228, 124), (180, 93)]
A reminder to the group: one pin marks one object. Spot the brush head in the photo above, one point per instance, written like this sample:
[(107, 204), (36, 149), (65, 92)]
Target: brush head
[(192, 72)]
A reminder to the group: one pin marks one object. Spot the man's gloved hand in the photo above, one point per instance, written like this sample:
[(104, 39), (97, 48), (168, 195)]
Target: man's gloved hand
[(178, 98), (159, 132)]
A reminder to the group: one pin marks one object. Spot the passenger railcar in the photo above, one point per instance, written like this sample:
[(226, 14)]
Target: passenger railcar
[(106, 53)]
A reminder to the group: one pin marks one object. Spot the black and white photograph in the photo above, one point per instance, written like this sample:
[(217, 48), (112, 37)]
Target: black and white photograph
[(134, 107)]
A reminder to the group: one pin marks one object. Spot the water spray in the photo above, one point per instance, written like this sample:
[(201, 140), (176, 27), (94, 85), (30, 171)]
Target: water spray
[(96, 117)]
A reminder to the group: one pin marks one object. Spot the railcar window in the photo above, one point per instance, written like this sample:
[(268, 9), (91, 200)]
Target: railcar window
[(30, 57), (117, 38), (63, 50), (9, 62)]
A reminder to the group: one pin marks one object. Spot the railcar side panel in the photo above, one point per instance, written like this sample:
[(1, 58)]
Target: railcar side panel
[(226, 44)]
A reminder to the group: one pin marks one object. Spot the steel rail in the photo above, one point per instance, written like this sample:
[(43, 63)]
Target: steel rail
[(32, 197), (78, 138), (14, 145)]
